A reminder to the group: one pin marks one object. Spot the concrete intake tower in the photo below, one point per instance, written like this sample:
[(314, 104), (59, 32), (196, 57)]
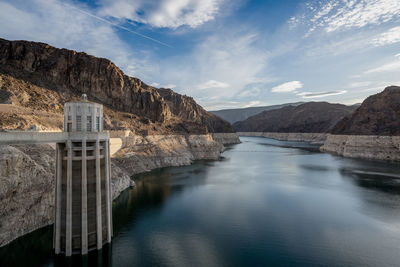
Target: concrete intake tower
[(83, 213)]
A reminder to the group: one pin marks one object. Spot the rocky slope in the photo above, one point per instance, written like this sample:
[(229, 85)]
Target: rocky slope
[(379, 114), (312, 117), (240, 114), (38, 76)]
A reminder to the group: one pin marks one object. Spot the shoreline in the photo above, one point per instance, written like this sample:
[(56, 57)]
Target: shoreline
[(371, 147)]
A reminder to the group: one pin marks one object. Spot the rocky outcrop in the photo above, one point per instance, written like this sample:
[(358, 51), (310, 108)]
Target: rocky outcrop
[(314, 138), (26, 189), (144, 153), (41, 77), (379, 114), (364, 146), (186, 108), (312, 117), (226, 138)]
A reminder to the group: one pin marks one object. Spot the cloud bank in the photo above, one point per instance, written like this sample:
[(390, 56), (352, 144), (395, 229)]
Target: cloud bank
[(164, 13)]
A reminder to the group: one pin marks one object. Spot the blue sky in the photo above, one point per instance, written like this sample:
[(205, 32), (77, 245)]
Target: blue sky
[(228, 54)]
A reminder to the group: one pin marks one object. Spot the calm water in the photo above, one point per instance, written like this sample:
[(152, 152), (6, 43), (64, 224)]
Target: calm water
[(266, 203)]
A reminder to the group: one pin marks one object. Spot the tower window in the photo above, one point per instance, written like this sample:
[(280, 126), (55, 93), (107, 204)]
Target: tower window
[(89, 124), (78, 123), (98, 123)]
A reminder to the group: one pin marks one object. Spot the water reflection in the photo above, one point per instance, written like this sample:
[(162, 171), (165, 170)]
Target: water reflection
[(265, 203)]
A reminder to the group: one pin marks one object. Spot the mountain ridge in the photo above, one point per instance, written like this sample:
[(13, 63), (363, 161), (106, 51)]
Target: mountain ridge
[(238, 114), (42, 77), (310, 117)]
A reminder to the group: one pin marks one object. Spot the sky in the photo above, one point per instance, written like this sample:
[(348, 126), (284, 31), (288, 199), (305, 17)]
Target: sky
[(228, 53)]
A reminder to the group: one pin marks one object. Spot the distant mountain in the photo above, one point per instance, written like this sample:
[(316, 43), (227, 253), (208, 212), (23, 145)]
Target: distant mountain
[(312, 117), (379, 114), (240, 114)]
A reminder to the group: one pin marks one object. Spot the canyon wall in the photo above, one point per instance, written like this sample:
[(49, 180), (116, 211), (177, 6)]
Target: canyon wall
[(314, 138), (36, 80), (27, 173), (364, 146)]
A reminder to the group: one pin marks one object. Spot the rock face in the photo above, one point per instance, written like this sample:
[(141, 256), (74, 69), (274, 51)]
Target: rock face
[(378, 115), (26, 189), (314, 138), (240, 114), (144, 153), (42, 77), (312, 117), (226, 138), (364, 146)]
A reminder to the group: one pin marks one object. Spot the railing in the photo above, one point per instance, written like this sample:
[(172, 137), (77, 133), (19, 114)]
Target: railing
[(22, 137)]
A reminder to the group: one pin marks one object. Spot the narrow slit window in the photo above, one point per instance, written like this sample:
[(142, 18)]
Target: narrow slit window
[(89, 124), (98, 123), (78, 123)]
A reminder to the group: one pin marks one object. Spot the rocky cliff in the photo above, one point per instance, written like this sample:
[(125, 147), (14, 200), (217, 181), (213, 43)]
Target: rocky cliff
[(39, 77), (364, 146), (379, 114), (312, 117)]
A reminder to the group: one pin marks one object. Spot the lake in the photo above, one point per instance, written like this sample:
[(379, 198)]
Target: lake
[(264, 203)]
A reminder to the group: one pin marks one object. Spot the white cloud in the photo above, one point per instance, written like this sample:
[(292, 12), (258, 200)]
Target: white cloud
[(320, 94), (287, 87), (229, 104), (359, 84), (219, 68), (169, 85), (252, 92), (390, 37), (389, 67), (212, 84), (165, 13), (335, 15)]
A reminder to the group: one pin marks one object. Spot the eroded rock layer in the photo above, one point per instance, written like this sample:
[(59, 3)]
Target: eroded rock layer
[(364, 146)]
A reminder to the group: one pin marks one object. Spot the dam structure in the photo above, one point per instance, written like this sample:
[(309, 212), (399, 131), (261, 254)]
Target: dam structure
[(83, 210), (83, 215)]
